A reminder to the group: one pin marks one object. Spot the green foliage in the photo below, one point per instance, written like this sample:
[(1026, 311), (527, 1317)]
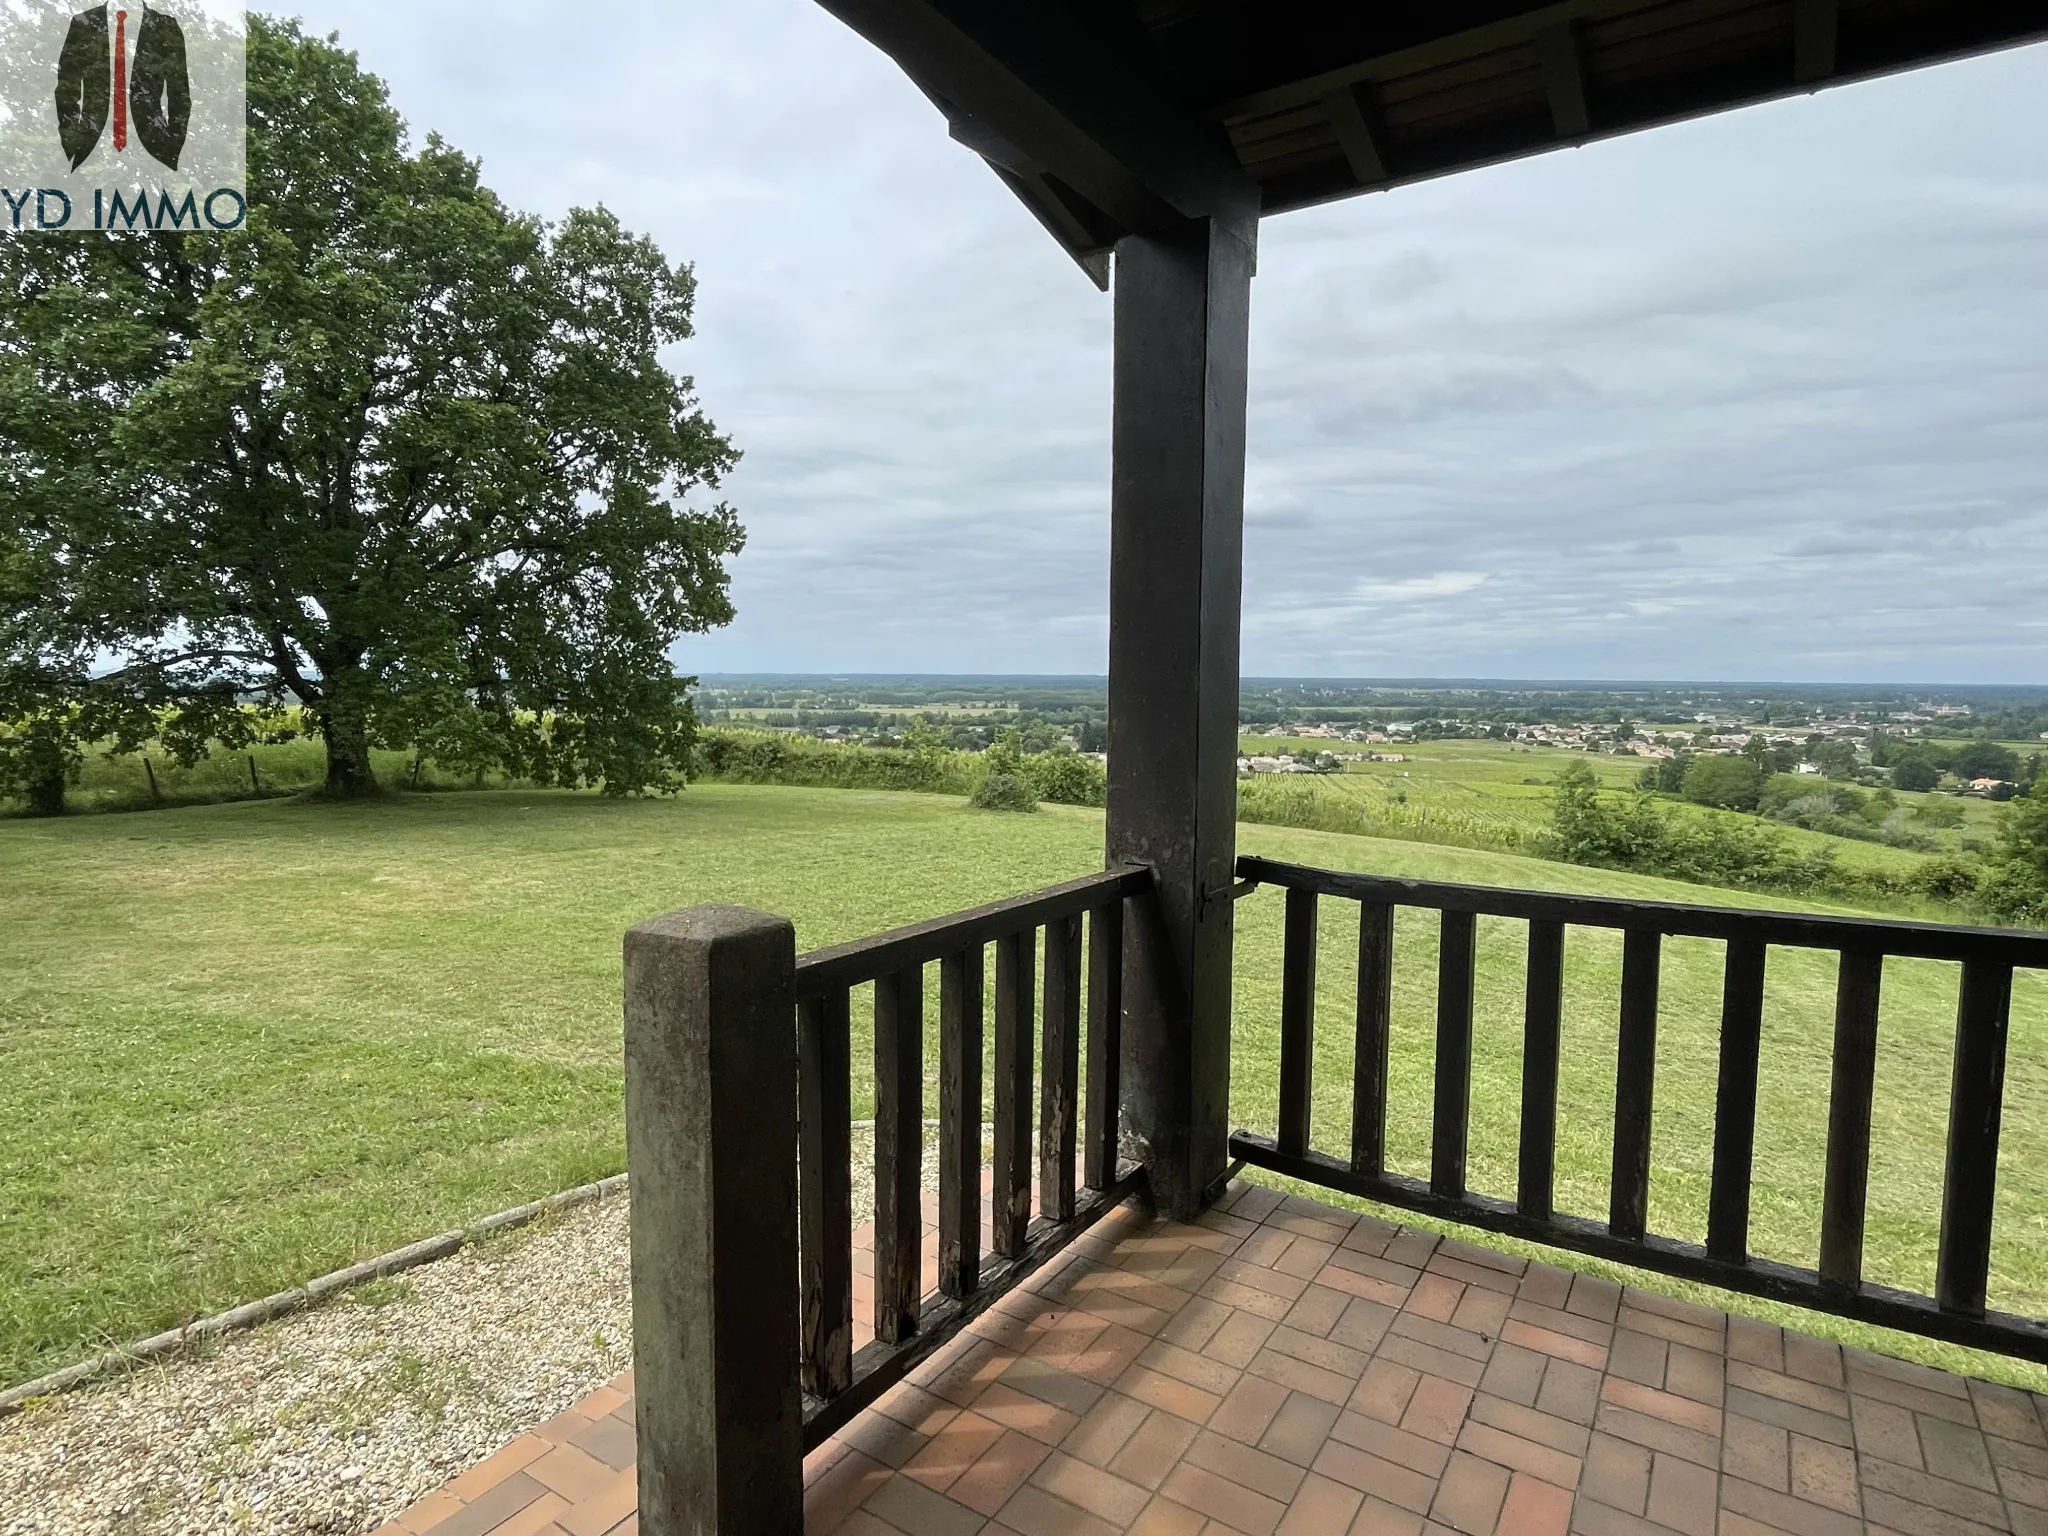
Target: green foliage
[(1007, 788), (1667, 775), (1835, 758), (1915, 771), (1064, 777), (764, 757), (923, 762), (2017, 887), (1944, 813), (1731, 783), (389, 450), (1984, 760), (1641, 835)]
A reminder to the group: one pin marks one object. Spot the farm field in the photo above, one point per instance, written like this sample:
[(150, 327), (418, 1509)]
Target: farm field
[(1485, 790), (243, 1044)]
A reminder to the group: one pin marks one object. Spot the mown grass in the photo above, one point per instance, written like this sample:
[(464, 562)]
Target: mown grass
[(243, 1044)]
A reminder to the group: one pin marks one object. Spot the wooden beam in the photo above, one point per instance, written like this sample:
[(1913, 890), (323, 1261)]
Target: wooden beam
[(1564, 79), (1183, 314), (1350, 111), (1815, 25), (1068, 99)]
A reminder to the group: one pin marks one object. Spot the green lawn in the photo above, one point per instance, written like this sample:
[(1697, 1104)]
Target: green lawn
[(242, 1044)]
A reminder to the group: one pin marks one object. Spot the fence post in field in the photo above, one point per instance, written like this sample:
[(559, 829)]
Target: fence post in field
[(711, 1140)]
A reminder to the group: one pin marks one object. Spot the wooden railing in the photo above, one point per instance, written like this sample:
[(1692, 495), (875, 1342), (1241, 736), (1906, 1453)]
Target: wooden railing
[(838, 1382), (738, 1135), (1988, 957)]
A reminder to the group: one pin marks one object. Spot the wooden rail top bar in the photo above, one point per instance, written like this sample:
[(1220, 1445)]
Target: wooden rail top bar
[(861, 960), (1890, 936)]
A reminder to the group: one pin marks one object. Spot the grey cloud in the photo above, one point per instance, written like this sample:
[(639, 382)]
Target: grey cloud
[(1758, 395)]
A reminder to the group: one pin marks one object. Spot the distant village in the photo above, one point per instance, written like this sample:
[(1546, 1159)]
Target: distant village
[(1711, 735)]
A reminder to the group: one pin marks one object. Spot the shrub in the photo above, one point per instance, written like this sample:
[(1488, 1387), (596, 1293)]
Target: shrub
[(1004, 792), (2017, 888), (1065, 777), (1730, 783), (762, 757), (1006, 788), (1945, 879)]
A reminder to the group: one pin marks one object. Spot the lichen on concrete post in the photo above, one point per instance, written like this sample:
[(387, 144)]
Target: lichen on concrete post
[(711, 1143)]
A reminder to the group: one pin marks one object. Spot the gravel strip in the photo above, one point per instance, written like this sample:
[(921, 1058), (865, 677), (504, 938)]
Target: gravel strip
[(333, 1420)]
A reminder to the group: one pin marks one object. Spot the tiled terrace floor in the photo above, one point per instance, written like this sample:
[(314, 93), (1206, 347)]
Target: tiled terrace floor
[(1286, 1368)]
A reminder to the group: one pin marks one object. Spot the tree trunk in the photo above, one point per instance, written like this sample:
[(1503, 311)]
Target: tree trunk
[(46, 791), (348, 756)]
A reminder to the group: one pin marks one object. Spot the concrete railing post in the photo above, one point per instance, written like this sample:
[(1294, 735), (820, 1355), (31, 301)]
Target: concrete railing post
[(711, 1140)]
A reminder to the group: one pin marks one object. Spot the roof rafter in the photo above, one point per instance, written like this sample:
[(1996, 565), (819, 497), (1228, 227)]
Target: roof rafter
[(1039, 95)]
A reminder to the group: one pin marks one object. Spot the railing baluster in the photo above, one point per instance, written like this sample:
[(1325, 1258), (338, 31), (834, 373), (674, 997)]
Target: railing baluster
[(899, 1150), (825, 1119), (1976, 1101), (1060, 1068), (1857, 991), (960, 977), (1742, 1024), (1634, 1081), (1457, 954), (1297, 1020), (1375, 1027), (1010, 1210), (1542, 1027), (1105, 1041)]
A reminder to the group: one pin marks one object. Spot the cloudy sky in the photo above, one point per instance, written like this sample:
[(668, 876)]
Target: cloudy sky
[(1759, 397)]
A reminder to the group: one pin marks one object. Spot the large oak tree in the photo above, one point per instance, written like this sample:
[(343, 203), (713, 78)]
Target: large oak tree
[(391, 452)]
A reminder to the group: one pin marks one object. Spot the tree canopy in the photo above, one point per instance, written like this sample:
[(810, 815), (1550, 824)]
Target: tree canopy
[(2018, 887), (390, 452)]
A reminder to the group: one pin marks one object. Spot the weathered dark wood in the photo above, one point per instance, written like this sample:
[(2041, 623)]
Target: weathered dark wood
[(1105, 1041), (1976, 1103), (1353, 122), (1297, 1019), (1742, 1022), (848, 965), (1010, 1206), (1542, 1029), (1374, 1031), (1921, 941), (2022, 1336), (1060, 1069), (711, 1108), (960, 989), (899, 1151), (1635, 1081), (1815, 25), (825, 1126), (1457, 953), (1564, 79), (1857, 990), (1182, 325), (1036, 85), (879, 1366)]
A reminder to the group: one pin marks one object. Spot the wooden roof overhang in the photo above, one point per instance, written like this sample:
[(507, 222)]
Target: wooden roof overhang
[(1124, 116)]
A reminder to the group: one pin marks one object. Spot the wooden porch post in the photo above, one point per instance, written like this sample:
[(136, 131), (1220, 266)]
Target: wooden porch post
[(711, 1138), (1183, 304)]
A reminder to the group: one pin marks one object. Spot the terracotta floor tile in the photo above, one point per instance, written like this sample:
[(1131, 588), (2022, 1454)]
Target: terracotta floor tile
[(1280, 1368)]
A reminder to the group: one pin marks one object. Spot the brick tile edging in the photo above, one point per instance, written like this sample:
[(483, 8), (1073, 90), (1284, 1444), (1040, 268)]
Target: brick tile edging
[(299, 1297)]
